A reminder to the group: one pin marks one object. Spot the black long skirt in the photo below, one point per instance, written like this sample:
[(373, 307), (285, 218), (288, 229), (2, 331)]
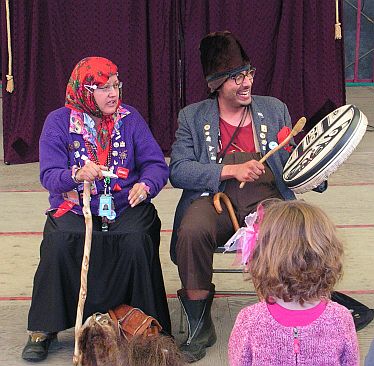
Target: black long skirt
[(124, 269)]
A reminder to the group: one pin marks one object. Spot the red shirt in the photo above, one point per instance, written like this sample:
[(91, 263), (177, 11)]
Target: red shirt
[(242, 142)]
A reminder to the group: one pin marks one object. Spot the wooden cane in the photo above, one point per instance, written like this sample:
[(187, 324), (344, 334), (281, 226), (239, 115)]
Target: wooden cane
[(297, 128), (217, 205), (84, 269)]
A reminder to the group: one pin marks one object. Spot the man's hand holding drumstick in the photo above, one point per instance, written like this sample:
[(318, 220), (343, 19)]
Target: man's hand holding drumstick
[(245, 172), (253, 171)]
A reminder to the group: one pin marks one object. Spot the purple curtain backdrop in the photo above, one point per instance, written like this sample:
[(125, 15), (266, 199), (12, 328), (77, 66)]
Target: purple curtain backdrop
[(50, 37), (290, 42)]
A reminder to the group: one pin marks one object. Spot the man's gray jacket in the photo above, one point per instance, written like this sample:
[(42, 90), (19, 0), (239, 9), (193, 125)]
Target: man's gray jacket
[(193, 163)]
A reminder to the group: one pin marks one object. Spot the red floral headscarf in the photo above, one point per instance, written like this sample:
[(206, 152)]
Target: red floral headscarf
[(89, 71)]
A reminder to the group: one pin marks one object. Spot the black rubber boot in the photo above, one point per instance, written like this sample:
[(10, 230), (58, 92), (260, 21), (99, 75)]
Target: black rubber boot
[(201, 332)]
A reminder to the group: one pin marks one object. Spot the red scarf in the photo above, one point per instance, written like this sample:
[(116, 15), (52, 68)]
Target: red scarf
[(79, 97), (89, 71)]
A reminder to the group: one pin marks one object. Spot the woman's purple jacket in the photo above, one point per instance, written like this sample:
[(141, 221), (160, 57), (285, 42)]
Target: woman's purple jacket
[(133, 148)]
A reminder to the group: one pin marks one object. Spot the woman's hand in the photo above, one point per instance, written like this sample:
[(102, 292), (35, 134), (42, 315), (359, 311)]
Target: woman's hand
[(90, 172), (137, 194)]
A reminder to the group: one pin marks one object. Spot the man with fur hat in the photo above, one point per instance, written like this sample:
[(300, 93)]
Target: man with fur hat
[(218, 144)]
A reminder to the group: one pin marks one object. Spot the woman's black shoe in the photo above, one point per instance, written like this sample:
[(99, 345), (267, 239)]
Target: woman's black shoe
[(37, 346)]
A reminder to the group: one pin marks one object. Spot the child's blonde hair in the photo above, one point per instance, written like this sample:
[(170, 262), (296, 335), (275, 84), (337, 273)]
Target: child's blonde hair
[(298, 256)]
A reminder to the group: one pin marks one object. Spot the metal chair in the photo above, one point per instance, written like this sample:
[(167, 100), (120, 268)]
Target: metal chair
[(231, 270)]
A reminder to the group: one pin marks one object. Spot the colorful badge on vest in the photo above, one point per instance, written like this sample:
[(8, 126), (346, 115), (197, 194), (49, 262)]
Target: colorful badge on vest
[(122, 172)]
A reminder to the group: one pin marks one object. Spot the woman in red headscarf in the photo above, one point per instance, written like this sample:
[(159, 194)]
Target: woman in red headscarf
[(97, 138)]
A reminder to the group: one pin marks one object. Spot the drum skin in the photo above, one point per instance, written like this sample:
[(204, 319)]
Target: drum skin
[(326, 146)]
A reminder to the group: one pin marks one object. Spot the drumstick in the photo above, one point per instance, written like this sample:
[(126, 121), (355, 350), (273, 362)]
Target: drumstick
[(297, 128)]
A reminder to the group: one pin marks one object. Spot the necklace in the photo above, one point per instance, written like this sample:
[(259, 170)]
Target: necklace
[(223, 153), (92, 153)]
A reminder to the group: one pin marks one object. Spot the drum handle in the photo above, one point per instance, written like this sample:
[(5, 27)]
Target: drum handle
[(297, 128)]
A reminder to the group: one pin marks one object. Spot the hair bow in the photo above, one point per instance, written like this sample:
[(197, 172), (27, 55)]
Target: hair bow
[(245, 239)]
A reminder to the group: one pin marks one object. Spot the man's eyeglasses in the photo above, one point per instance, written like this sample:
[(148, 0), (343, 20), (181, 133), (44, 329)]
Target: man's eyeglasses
[(239, 78), (105, 88)]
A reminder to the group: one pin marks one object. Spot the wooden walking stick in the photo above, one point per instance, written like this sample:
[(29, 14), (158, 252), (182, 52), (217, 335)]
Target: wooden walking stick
[(84, 269), (217, 205), (297, 128)]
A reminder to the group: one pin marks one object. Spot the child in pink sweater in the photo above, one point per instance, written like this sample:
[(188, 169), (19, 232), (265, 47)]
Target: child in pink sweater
[(295, 265)]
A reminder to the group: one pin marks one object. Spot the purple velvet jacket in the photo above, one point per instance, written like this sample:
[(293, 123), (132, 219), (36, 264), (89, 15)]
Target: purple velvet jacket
[(133, 147)]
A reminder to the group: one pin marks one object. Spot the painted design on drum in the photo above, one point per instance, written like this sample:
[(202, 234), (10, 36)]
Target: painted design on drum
[(316, 150), (315, 133), (324, 148)]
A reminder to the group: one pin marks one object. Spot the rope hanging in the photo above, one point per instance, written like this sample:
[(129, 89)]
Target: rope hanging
[(338, 28), (9, 76)]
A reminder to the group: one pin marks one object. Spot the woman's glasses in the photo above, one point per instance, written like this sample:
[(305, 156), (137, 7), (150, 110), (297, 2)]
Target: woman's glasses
[(105, 88), (239, 78)]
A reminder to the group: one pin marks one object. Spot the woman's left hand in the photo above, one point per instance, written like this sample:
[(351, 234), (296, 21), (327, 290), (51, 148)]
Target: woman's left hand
[(137, 194)]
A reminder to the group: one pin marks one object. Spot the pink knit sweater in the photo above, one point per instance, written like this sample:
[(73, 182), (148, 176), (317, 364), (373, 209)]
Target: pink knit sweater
[(257, 339)]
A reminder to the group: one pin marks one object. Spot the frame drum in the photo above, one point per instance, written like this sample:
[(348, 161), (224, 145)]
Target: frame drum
[(325, 147)]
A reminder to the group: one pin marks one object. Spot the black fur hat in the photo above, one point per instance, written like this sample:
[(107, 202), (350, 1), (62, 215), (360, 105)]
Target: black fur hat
[(221, 52)]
